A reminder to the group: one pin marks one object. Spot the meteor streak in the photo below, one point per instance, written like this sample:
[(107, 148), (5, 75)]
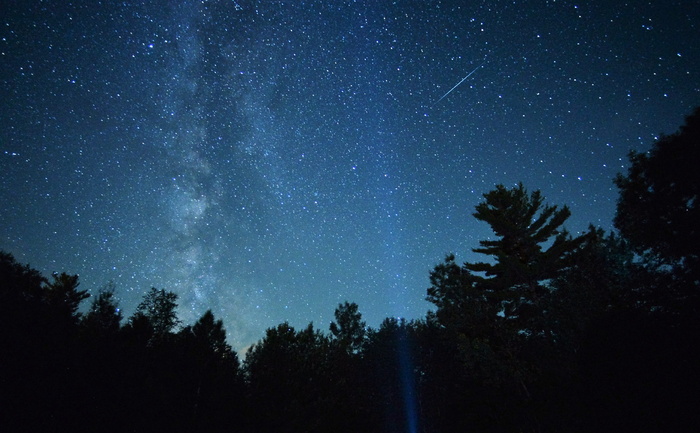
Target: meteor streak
[(460, 82)]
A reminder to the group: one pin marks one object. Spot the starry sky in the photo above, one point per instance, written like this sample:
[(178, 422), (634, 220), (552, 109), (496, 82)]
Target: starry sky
[(268, 159)]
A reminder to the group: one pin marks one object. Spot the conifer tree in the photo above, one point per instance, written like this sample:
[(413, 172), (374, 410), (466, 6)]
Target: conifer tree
[(492, 311), (531, 248), (62, 294)]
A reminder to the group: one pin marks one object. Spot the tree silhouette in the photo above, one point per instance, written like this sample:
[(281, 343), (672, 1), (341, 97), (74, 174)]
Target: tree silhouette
[(210, 333), (511, 289), (390, 365), (288, 373), (658, 210), (348, 330), (40, 363), (209, 377), (104, 316), (602, 278), (63, 296), (494, 314), (548, 333), (21, 290), (460, 302), (156, 313), (18, 283), (522, 262)]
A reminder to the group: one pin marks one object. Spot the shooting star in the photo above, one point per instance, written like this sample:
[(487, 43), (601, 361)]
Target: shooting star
[(460, 82)]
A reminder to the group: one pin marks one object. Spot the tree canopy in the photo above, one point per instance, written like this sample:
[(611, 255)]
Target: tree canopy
[(658, 207), (658, 211), (104, 316), (348, 329), (158, 312), (549, 332), (531, 248)]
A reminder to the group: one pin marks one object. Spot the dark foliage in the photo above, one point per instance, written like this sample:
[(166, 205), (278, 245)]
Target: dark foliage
[(552, 333), (104, 317), (348, 331), (658, 212)]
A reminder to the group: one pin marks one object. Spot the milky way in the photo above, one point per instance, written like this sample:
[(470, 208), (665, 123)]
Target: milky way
[(270, 159)]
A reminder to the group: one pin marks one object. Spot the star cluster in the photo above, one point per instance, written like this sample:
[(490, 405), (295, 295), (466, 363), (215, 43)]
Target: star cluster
[(271, 159)]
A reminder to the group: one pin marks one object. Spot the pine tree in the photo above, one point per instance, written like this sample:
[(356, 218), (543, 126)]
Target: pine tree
[(531, 249), (492, 311), (63, 296)]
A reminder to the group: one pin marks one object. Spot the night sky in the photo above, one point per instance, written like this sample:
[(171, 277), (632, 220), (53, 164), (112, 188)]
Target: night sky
[(271, 159)]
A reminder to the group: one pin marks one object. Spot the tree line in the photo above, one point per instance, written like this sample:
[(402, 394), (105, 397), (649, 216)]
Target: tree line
[(551, 332)]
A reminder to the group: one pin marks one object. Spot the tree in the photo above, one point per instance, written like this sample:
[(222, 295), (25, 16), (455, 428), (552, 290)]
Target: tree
[(18, 283), (602, 279), (658, 209), (494, 313), (104, 317), (514, 284), (348, 330), (157, 312), (21, 375), (62, 294), (40, 365), (521, 262), (460, 303), (206, 339), (208, 375), (211, 334), (289, 378), (349, 382), (390, 365), (21, 299)]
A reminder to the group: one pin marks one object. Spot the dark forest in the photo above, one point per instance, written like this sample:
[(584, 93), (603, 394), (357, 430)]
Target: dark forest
[(551, 332)]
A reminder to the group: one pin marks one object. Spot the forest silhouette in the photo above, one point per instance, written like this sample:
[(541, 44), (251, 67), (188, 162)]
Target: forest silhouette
[(550, 333)]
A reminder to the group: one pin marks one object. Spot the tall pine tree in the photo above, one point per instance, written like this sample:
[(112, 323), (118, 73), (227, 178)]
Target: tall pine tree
[(531, 248), (493, 311)]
